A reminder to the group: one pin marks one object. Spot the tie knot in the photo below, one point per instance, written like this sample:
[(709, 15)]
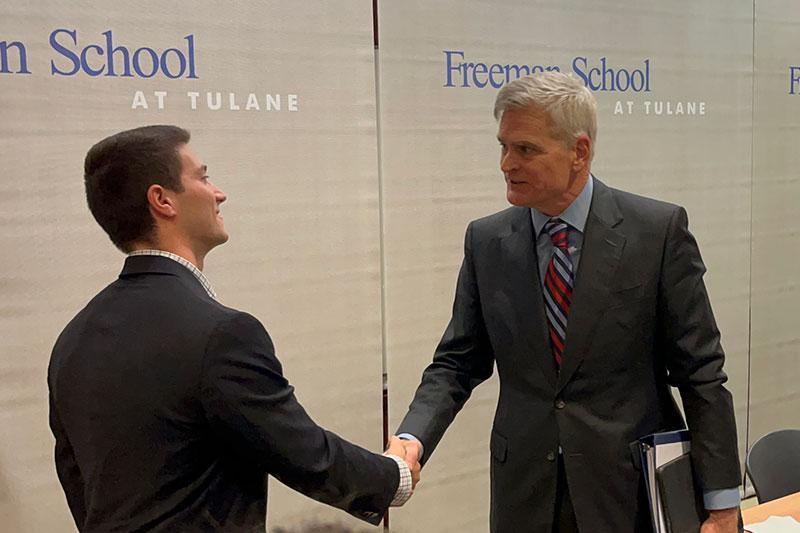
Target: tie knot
[(557, 229)]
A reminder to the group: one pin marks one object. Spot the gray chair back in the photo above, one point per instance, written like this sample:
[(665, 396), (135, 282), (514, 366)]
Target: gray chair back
[(773, 464)]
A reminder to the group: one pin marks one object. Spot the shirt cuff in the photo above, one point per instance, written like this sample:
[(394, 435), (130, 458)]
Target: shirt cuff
[(409, 436), (404, 487), (715, 500)]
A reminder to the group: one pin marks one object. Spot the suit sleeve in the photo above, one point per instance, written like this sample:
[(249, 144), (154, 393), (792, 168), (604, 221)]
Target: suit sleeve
[(252, 407), (694, 359), (67, 469), (463, 359)]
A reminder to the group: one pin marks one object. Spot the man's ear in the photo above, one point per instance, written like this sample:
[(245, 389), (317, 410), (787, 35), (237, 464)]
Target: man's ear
[(162, 201), (583, 153)]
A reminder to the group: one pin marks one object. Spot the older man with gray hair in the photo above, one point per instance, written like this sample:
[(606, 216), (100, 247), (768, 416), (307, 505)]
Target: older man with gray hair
[(591, 303)]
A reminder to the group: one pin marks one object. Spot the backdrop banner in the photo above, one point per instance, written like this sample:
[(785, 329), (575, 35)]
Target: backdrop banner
[(280, 100), (775, 342), (347, 206), (674, 86)]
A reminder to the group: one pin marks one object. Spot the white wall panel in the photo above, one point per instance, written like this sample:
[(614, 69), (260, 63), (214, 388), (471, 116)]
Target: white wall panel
[(440, 169), (304, 198), (775, 355), (302, 209)]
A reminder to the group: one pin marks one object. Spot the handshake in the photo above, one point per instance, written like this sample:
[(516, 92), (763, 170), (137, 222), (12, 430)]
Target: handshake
[(409, 451)]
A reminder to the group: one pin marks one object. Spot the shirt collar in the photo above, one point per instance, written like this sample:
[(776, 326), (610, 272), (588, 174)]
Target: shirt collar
[(575, 215), (188, 264)]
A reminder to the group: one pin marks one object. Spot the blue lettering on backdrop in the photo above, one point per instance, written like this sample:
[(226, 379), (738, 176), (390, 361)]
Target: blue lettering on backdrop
[(120, 61), (22, 57), (794, 80), (482, 74), (605, 78), (602, 77), (66, 52)]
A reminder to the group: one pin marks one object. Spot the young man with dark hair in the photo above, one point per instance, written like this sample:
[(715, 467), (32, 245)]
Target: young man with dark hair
[(168, 408)]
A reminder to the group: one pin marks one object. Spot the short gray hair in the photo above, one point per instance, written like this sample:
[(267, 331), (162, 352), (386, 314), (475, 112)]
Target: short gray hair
[(570, 105)]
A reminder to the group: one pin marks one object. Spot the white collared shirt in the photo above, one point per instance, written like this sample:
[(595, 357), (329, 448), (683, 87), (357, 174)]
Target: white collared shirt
[(185, 262)]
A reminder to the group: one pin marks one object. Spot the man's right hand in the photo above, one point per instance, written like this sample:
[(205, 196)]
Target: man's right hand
[(413, 451), (408, 451)]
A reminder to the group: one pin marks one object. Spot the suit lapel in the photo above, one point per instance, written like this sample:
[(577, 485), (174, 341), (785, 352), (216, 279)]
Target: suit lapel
[(600, 256), (518, 250)]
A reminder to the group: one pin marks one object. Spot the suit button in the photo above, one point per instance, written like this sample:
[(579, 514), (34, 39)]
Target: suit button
[(551, 456), (560, 404)]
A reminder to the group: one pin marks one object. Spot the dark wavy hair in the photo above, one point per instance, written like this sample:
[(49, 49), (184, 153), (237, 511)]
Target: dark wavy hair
[(118, 171)]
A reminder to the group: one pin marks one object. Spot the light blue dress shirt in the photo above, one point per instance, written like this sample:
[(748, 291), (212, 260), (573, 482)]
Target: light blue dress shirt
[(575, 215)]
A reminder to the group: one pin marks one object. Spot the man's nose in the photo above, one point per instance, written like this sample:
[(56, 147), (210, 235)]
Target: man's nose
[(507, 162), (220, 194)]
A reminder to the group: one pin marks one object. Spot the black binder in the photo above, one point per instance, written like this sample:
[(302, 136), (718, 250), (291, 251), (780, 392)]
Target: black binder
[(681, 500)]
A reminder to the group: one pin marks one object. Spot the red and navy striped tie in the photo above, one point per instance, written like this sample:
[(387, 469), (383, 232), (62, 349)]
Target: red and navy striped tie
[(558, 282)]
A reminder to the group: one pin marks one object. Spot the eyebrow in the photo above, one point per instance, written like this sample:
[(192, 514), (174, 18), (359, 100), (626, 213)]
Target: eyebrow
[(203, 170), (517, 143)]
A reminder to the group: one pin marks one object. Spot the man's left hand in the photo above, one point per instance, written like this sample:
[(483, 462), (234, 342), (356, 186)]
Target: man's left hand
[(722, 521)]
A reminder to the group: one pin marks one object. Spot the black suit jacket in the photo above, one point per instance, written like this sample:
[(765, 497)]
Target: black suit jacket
[(640, 322), (169, 410)]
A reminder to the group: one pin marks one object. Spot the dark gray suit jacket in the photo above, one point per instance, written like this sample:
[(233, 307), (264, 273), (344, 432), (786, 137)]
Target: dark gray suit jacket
[(169, 410), (640, 322)]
